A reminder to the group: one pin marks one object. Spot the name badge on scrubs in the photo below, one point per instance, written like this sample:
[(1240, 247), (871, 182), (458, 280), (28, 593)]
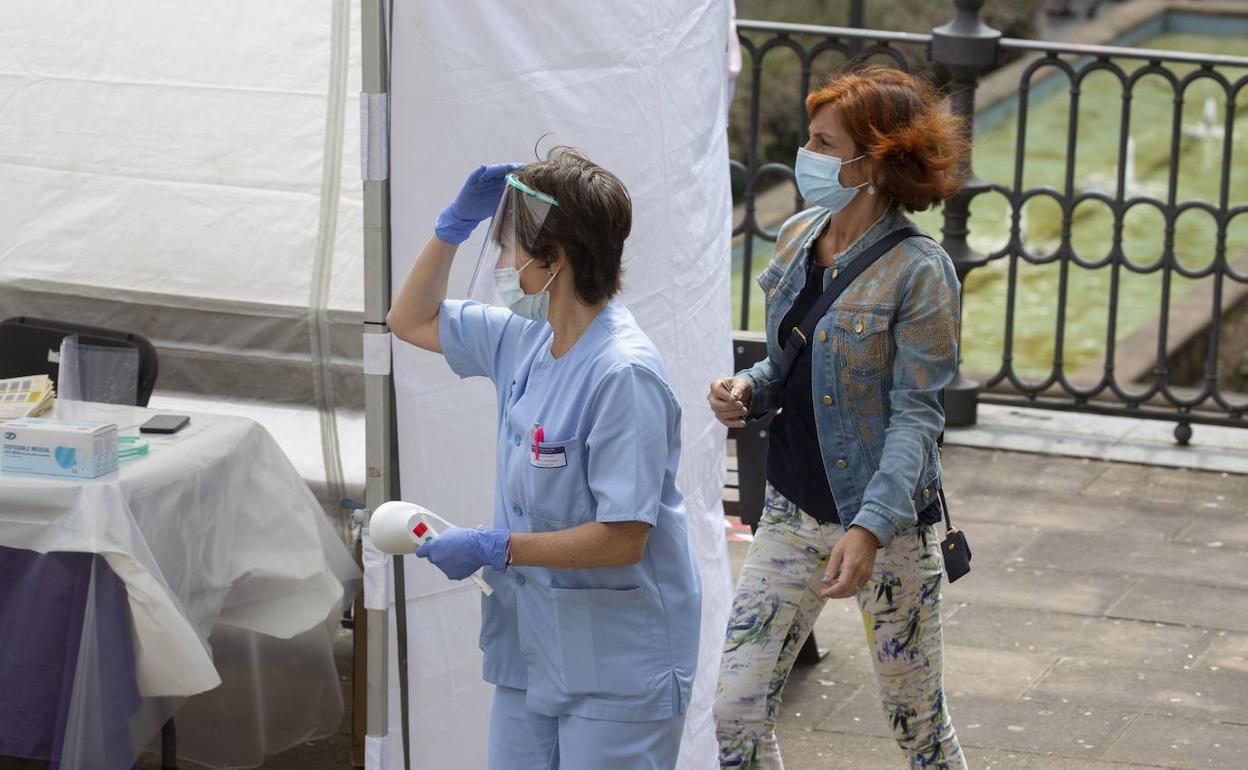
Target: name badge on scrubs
[(548, 457)]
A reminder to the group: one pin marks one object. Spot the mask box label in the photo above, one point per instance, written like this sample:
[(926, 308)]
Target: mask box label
[(77, 449)]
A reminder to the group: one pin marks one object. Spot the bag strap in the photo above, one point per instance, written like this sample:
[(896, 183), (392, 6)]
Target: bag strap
[(944, 507), (801, 333)]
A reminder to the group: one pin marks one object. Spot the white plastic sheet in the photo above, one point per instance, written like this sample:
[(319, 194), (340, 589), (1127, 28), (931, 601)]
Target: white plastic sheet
[(97, 373), (639, 86)]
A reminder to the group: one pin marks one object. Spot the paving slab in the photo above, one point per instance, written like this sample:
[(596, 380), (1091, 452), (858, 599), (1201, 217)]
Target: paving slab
[(1091, 638), (1185, 743), (1166, 601), (806, 749), (819, 750), (1074, 514), (993, 673), (1197, 489), (1124, 554), (1196, 694), (1227, 652), (1010, 724), (1036, 588), (1217, 529), (1010, 474), (808, 701)]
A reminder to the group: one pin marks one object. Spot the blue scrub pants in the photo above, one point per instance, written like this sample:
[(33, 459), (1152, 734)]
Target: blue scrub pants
[(521, 739)]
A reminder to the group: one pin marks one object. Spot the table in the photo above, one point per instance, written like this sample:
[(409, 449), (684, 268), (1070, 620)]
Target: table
[(220, 569)]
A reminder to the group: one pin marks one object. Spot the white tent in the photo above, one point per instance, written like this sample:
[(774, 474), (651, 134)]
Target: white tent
[(189, 172)]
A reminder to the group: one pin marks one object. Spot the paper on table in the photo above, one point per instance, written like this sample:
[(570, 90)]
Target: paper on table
[(26, 396)]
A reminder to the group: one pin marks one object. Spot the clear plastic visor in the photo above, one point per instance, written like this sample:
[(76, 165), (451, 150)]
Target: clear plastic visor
[(514, 232)]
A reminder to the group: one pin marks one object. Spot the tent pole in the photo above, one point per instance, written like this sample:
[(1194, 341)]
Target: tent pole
[(381, 436)]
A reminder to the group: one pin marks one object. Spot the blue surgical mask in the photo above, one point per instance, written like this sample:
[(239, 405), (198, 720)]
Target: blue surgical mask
[(819, 179), (531, 306)]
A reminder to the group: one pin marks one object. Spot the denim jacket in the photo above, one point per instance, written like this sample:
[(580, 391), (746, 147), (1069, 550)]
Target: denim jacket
[(882, 354)]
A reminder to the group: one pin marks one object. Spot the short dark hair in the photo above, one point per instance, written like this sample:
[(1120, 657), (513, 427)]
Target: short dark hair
[(590, 224)]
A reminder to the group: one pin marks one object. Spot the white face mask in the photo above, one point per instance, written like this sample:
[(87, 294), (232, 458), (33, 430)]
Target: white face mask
[(819, 180), (531, 306)]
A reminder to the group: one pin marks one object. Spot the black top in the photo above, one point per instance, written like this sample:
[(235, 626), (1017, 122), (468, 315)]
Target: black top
[(794, 462)]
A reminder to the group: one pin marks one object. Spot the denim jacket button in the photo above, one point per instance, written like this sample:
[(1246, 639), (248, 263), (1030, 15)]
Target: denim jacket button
[(835, 273), (827, 400), (823, 336), (858, 328), (841, 464), (927, 493)]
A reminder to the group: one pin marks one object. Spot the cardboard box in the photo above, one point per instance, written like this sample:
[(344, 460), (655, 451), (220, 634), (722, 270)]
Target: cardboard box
[(80, 449)]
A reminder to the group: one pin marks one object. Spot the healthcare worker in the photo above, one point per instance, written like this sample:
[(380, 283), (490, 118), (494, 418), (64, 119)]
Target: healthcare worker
[(591, 634)]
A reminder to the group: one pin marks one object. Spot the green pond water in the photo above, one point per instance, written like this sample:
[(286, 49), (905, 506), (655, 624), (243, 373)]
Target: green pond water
[(1200, 171)]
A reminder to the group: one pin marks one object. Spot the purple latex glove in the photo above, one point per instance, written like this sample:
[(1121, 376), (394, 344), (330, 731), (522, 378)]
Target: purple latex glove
[(476, 202), (459, 552)]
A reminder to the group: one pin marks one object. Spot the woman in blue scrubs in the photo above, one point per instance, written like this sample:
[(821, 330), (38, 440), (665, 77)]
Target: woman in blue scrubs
[(591, 634)]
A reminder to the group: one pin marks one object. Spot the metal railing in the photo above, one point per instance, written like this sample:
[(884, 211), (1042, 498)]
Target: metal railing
[(1158, 398), (962, 51), (810, 44)]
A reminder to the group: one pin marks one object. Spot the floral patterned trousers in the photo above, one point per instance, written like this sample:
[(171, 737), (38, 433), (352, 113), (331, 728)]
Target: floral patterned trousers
[(776, 605)]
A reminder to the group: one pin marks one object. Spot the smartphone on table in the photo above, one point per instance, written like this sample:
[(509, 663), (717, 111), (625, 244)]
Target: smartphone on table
[(165, 423)]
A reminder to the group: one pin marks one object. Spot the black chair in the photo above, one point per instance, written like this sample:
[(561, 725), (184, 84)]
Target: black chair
[(31, 346)]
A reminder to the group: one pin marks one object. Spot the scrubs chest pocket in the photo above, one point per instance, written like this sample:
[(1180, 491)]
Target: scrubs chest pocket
[(608, 641), (555, 486)]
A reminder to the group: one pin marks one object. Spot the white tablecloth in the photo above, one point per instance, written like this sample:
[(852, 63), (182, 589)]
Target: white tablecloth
[(214, 534)]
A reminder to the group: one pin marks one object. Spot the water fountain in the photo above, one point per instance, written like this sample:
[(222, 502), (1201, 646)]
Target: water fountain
[(1131, 184), (1210, 128)]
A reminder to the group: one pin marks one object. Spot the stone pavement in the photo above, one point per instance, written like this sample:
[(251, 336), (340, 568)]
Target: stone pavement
[(1104, 625)]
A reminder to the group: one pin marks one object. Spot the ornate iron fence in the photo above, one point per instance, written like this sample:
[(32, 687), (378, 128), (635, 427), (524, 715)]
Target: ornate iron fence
[(960, 53)]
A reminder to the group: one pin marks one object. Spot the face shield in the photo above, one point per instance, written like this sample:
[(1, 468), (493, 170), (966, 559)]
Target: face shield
[(514, 231)]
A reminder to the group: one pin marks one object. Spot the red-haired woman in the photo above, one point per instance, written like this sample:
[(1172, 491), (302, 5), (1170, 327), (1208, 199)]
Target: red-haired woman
[(853, 469)]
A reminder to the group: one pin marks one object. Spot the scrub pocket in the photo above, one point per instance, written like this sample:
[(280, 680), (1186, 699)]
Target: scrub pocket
[(608, 641), (498, 612), (556, 488)]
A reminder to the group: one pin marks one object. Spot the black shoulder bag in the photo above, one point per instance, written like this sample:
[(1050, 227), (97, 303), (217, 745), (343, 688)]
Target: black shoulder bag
[(954, 548)]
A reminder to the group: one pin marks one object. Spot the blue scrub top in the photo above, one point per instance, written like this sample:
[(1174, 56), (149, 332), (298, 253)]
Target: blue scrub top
[(617, 643)]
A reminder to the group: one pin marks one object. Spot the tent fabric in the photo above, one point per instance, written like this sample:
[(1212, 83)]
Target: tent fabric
[(641, 88), (180, 149), (188, 172)]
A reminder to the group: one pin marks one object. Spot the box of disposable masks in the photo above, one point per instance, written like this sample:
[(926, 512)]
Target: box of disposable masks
[(80, 449)]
